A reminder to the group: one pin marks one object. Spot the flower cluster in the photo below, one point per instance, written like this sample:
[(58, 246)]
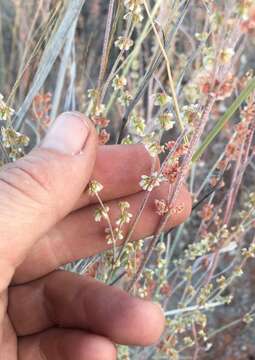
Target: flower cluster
[(135, 10), (248, 318), (166, 121), (14, 142), (112, 236), (247, 13), (207, 212), (198, 249), (162, 99), (123, 352), (116, 234), (120, 85), (242, 131), (96, 109), (162, 208), (208, 58), (148, 183), (152, 145), (6, 111), (97, 116), (103, 135), (119, 82), (95, 187), (131, 258), (41, 109), (250, 252), (171, 168), (221, 89), (191, 114), (204, 294), (138, 124), (124, 43), (127, 140), (182, 325), (125, 216), (226, 55), (101, 213)]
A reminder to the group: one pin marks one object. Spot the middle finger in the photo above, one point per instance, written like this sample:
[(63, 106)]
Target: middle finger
[(78, 235)]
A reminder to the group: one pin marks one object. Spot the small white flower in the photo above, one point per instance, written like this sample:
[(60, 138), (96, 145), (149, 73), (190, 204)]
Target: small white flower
[(5, 110), (95, 187), (99, 110), (101, 213), (119, 82), (138, 124), (162, 99), (153, 148), (148, 183), (117, 233), (124, 43), (226, 55), (135, 10), (167, 121)]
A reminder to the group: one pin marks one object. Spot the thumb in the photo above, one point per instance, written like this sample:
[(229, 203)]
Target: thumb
[(41, 188)]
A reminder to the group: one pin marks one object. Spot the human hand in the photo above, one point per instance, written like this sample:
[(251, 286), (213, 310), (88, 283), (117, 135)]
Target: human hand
[(47, 220)]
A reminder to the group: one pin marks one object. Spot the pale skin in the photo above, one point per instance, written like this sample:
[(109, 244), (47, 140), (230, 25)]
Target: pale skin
[(47, 220)]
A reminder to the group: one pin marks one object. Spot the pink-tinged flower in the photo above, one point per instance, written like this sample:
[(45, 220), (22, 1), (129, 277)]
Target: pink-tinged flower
[(171, 172), (103, 137), (248, 25), (207, 212), (101, 121), (161, 207)]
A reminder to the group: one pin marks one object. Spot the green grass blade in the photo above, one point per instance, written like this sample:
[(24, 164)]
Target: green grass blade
[(224, 119)]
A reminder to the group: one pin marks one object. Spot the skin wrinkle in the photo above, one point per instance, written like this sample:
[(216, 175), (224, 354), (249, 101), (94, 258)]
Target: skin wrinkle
[(34, 202), (43, 182), (12, 186), (25, 304), (49, 309), (36, 161), (41, 351), (52, 309)]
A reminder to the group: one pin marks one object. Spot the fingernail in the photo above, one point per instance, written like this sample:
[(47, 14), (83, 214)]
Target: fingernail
[(68, 134)]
